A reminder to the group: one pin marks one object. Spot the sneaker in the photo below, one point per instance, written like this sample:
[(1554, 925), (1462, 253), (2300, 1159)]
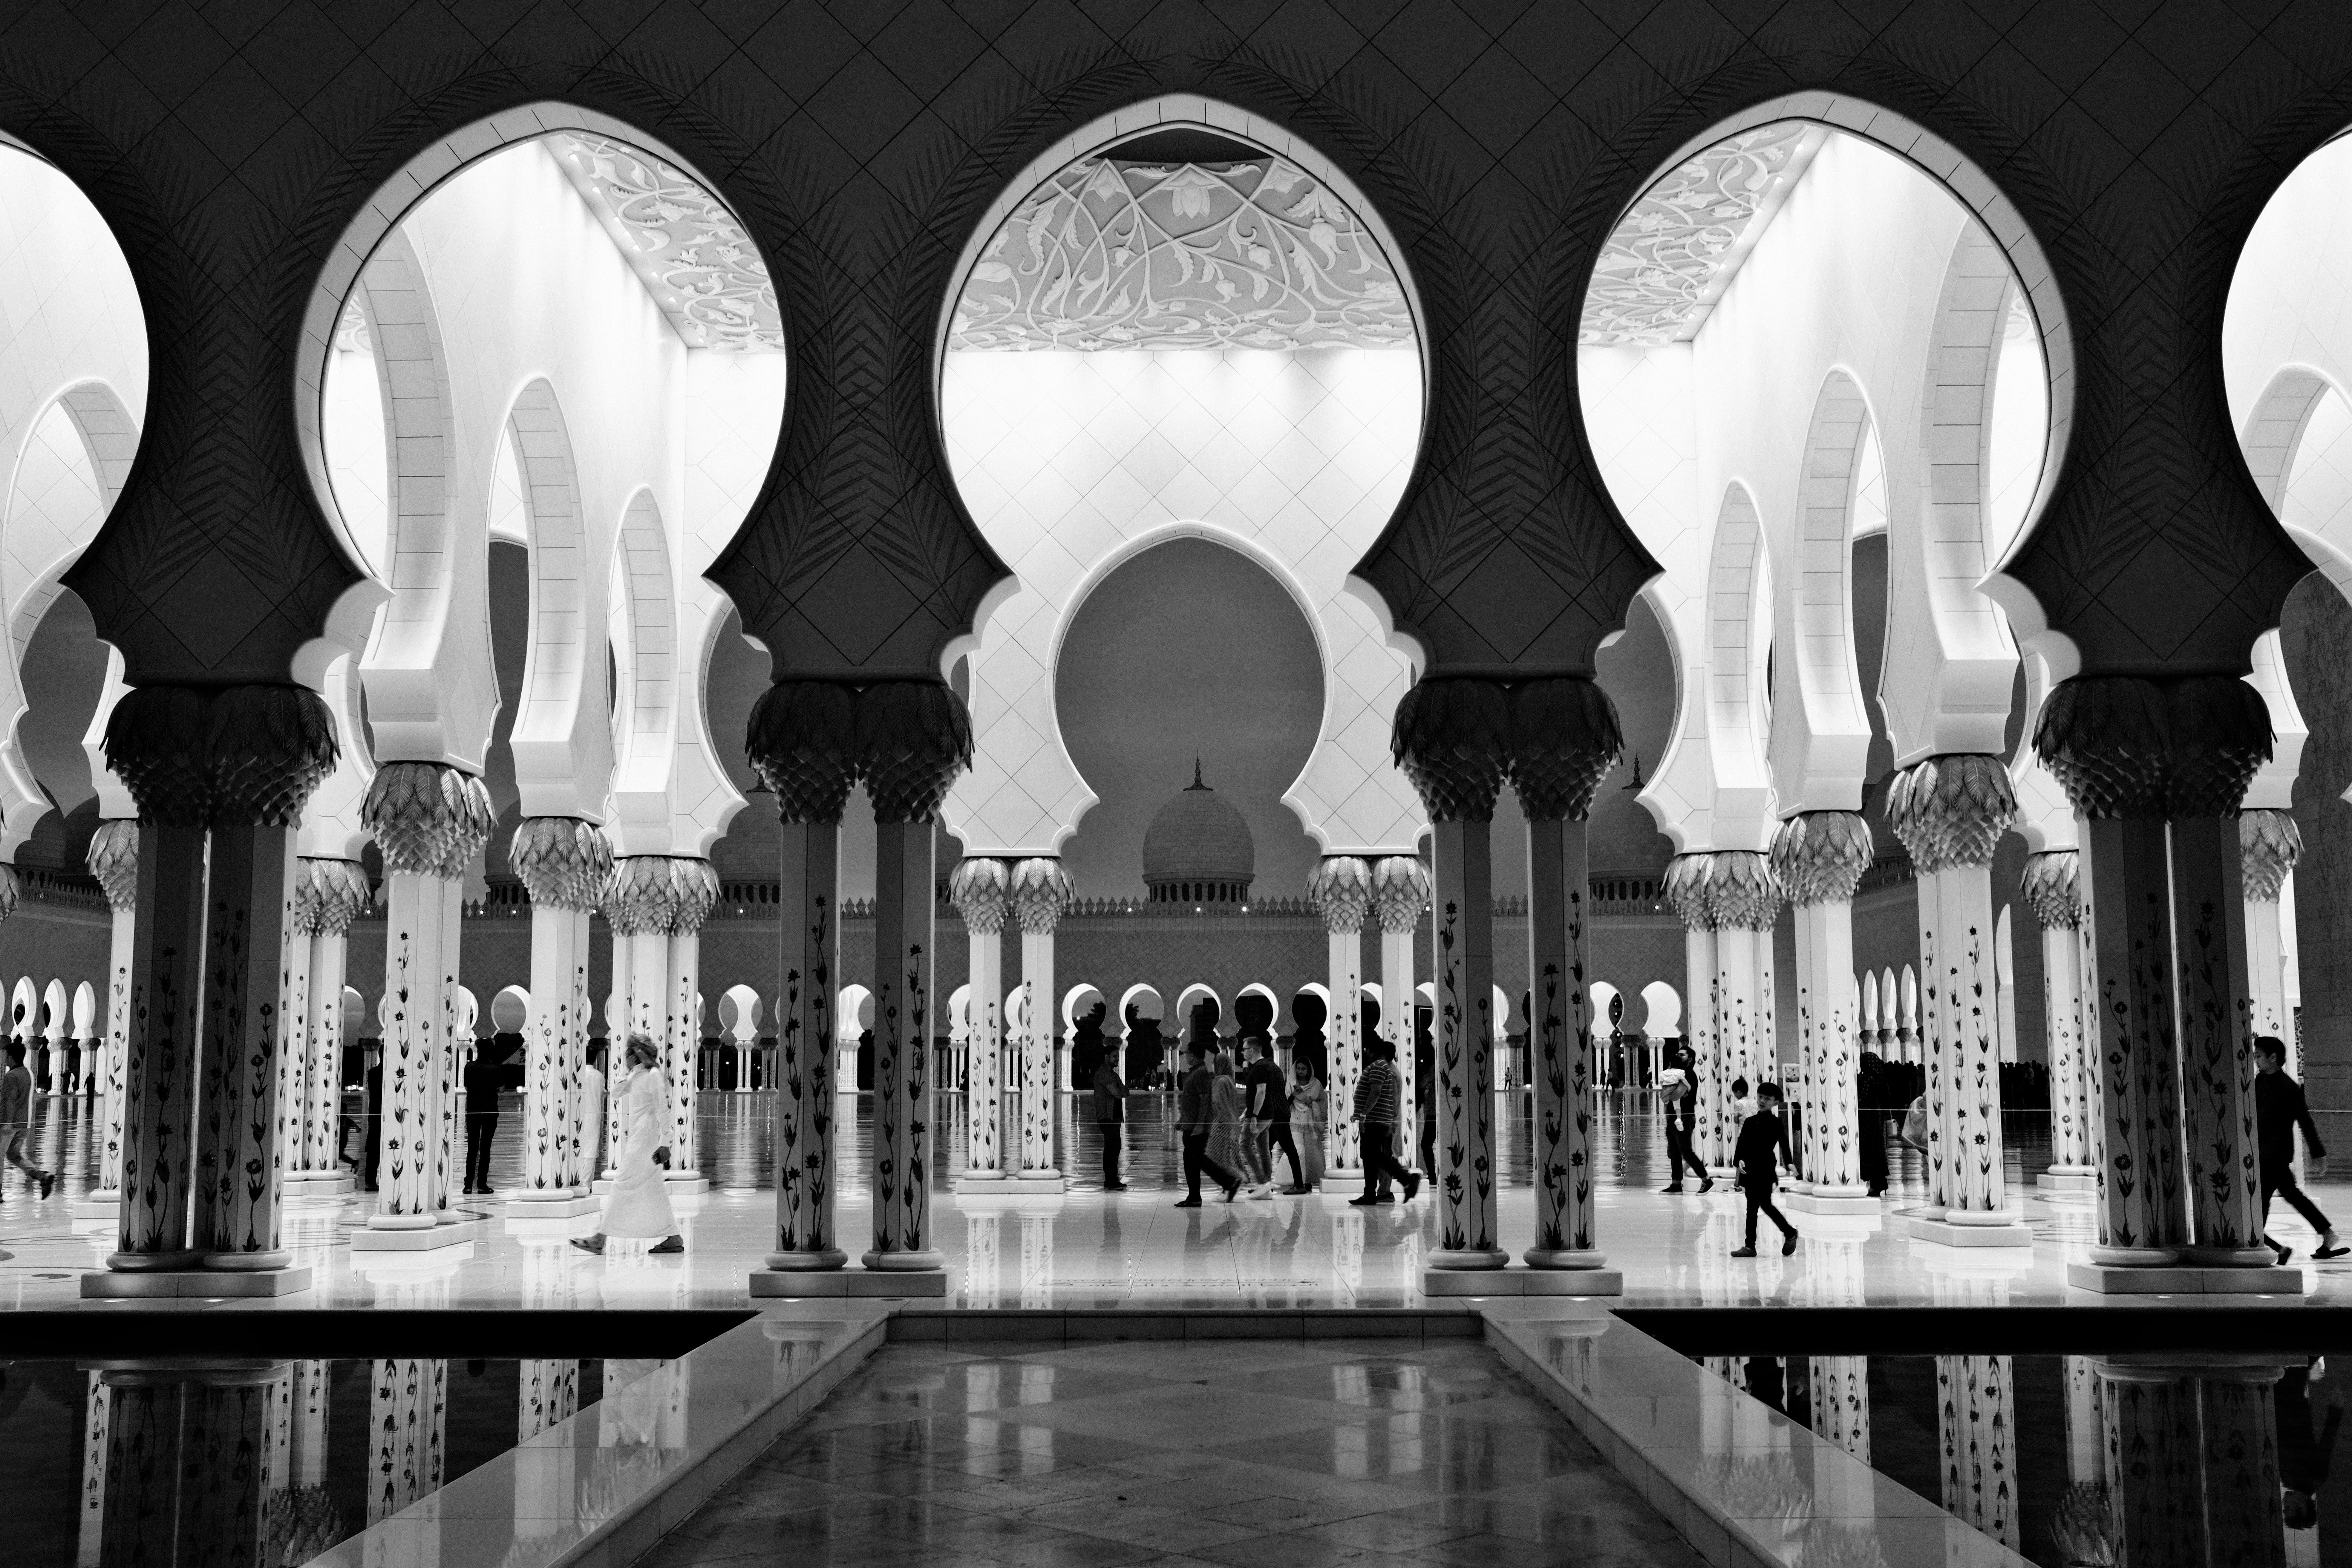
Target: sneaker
[(1384, 1198), (1262, 1190), (668, 1244), (49, 1185), (1363, 1203), (1706, 1184), (1115, 1186), (1743, 1252), (589, 1243), (2283, 1252), (1295, 1192), (1230, 1191), (1412, 1185), (1675, 1188), (1788, 1244), (2325, 1253), (1188, 1203)]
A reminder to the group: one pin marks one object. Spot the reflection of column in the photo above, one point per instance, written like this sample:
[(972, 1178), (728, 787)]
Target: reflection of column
[(113, 859), (2238, 1425), (1564, 740), (696, 886), (983, 1280), (979, 887), (1037, 1260), (2156, 773), (913, 738), (1841, 1400), (96, 1424), (1950, 811), (563, 864), (1977, 1401), (1339, 888), (231, 1461), (1686, 894), (2154, 1506), (1400, 902), (1040, 889), (2049, 887), (430, 821), (408, 1413), (1451, 738), (1744, 899), (1819, 858), (2269, 845), (547, 1395), (802, 740)]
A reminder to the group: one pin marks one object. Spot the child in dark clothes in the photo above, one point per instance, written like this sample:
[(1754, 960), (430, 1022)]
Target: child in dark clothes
[(1756, 1157)]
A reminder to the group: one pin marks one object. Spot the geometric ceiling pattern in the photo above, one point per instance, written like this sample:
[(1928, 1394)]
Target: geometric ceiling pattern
[(693, 255), (1112, 254), (1676, 249)]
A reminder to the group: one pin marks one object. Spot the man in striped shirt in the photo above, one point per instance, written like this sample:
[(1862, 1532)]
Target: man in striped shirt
[(1376, 1111)]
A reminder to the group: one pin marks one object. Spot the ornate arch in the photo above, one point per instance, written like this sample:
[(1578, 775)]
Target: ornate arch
[(644, 642), (1820, 725)]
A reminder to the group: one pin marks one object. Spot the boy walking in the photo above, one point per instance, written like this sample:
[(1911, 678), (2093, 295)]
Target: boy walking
[(17, 1118), (2279, 1109), (1756, 1157), (1111, 1119)]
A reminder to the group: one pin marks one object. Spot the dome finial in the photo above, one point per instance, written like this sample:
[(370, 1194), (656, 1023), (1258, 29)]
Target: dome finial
[(1196, 774)]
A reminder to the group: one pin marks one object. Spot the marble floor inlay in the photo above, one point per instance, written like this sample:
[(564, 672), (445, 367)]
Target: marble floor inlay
[(1240, 1454)]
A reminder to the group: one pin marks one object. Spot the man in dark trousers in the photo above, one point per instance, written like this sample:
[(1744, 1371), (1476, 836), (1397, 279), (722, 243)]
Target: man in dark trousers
[(1192, 1119), (1757, 1157), (1376, 1111), (1267, 1100), (481, 1116), (1110, 1115), (372, 1117), (2304, 1455), (1679, 1083), (2279, 1109)]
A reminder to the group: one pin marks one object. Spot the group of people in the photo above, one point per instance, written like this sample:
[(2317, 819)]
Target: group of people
[(1762, 1146)]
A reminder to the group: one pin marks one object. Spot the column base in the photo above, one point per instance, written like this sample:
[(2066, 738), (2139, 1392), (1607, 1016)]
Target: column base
[(169, 1284), (1562, 1257), (1951, 1232), (2183, 1279), (1469, 1257), (425, 1238), (306, 1185), (154, 1262), (990, 1184), (926, 1260), (1506, 1281), (822, 1259), (1047, 1173), (97, 1205), (686, 1182), (249, 1262), (2059, 1179), (544, 1217), (2229, 1258), (848, 1282), (1833, 1201)]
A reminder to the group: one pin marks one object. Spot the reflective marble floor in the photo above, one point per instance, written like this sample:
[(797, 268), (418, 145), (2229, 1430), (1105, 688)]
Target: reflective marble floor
[(1090, 1248), (1238, 1453)]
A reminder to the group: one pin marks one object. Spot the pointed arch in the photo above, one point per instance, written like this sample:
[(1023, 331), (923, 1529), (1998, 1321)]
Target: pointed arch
[(563, 738), (1820, 724)]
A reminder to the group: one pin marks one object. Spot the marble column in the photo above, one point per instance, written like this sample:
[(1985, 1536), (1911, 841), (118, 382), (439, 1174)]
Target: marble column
[(1949, 812), (640, 905), (1400, 905), (1840, 1398), (980, 888), (2049, 890), (1819, 858), (694, 890), (913, 738), (294, 1008), (1452, 737), (430, 820), (333, 893), (1340, 889), (1686, 895), (2155, 773), (1039, 889), (564, 864), (1564, 740), (802, 742), (113, 859), (1743, 900), (408, 1413), (2269, 844)]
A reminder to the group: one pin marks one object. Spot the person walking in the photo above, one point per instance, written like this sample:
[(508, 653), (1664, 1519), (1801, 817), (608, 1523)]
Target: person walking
[(1229, 1140), (17, 1118), (1111, 1117), (1376, 1112), (1306, 1114), (2279, 1109), (1266, 1098), (371, 1118), (1756, 1158), (592, 1107), (637, 1208), (1870, 1101), (1679, 1083), (481, 1078), (1194, 1118)]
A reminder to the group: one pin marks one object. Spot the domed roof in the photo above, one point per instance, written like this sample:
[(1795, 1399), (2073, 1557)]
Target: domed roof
[(1198, 836)]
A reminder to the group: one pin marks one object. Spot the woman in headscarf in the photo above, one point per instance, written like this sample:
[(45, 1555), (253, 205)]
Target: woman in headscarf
[(637, 1208), (1306, 1114), (1228, 1138)]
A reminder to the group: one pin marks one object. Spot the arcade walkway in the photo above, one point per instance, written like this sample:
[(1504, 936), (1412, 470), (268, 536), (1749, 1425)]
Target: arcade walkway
[(1089, 1249)]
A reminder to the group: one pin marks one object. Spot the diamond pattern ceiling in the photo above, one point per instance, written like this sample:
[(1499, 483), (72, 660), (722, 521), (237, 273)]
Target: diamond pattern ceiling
[(1111, 255)]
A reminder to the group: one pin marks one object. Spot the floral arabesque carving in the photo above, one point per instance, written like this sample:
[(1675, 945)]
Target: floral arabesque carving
[(1673, 254), (695, 258), (1109, 255)]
